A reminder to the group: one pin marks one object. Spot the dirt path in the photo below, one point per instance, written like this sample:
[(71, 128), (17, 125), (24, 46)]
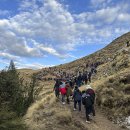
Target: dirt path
[(99, 122), (44, 118)]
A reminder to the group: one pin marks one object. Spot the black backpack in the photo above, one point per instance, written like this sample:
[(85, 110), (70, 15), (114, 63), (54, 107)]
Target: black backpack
[(86, 100), (83, 98)]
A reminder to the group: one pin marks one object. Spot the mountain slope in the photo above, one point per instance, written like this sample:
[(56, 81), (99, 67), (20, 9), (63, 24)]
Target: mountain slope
[(111, 83)]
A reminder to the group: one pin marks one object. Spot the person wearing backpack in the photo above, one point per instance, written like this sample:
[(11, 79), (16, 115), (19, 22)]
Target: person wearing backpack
[(87, 102), (91, 92), (77, 96)]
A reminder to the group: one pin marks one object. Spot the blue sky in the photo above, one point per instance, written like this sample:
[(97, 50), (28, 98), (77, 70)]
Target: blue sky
[(42, 33)]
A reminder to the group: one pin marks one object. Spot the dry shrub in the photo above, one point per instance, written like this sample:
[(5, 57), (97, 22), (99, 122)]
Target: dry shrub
[(35, 112), (64, 117), (127, 89)]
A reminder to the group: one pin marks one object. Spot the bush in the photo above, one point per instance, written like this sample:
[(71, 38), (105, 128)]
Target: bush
[(15, 96)]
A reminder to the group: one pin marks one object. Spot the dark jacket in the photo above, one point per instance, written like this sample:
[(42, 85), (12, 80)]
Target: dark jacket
[(77, 95), (86, 100), (56, 86)]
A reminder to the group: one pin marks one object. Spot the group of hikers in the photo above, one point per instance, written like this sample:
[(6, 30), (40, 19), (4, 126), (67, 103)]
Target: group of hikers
[(70, 88)]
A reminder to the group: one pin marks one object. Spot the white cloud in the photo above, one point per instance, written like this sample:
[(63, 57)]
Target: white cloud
[(9, 56), (20, 65), (46, 27), (124, 17)]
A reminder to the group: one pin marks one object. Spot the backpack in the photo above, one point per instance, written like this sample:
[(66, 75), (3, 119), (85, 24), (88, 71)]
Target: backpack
[(83, 98), (86, 100)]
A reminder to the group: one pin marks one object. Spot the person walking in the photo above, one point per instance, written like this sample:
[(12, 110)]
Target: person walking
[(86, 101), (56, 88), (68, 92), (79, 80), (89, 76), (77, 96), (91, 92), (62, 89)]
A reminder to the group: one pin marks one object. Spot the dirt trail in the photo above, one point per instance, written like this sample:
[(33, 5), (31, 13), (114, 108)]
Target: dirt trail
[(41, 116), (99, 122)]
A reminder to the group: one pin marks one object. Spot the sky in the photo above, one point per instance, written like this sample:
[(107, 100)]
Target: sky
[(42, 33)]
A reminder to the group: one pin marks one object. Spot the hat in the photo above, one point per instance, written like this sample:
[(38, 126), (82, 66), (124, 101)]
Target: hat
[(88, 87)]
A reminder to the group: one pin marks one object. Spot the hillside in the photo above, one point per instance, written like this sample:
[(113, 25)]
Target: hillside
[(111, 83)]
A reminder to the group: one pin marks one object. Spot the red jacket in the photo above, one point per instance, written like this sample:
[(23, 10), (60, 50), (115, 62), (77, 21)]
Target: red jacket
[(63, 91)]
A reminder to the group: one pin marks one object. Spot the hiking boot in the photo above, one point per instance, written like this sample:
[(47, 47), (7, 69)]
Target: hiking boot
[(74, 109), (88, 122)]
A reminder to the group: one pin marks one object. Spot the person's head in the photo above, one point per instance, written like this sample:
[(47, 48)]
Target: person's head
[(61, 82), (76, 87)]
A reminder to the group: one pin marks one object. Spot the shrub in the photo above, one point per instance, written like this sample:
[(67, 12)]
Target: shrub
[(14, 95)]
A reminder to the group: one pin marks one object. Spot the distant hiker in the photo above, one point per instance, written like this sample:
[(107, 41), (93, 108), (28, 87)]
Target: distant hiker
[(92, 70), (69, 92), (127, 43), (63, 91), (71, 83), (79, 80), (56, 88), (87, 65), (91, 92), (85, 77), (86, 101), (77, 96), (89, 76)]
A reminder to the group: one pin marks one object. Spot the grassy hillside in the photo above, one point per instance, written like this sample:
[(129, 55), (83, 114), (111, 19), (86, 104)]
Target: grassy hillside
[(112, 85), (112, 81)]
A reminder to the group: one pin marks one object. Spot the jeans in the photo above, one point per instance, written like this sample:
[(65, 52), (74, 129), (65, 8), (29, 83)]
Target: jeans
[(79, 104), (68, 100), (93, 110), (88, 110), (63, 98)]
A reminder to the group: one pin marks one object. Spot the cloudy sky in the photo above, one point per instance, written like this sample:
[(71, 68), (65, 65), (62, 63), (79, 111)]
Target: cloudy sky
[(40, 33)]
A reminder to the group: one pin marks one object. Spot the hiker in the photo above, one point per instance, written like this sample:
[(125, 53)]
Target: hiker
[(91, 92), (86, 101), (77, 96), (79, 80), (85, 77), (68, 92), (56, 88), (71, 83), (89, 76), (127, 43), (62, 89)]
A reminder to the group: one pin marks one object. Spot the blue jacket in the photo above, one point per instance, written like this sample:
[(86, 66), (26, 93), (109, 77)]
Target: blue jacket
[(77, 95)]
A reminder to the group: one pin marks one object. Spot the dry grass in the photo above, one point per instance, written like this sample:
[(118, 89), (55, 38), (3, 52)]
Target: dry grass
[(64, 117), (47, 113), (111, 84), (112, 95), (35, 112)]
